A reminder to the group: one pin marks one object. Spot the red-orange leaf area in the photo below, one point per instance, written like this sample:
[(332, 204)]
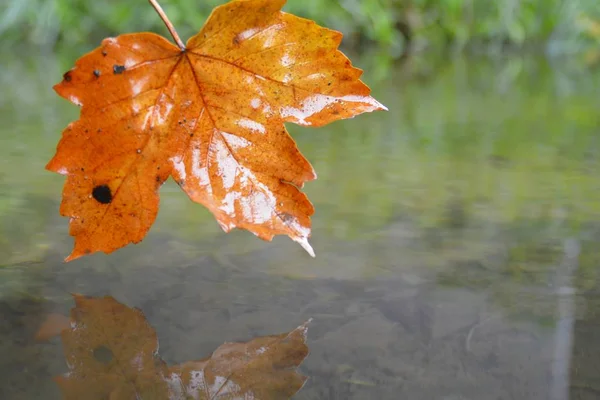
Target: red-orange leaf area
[(211, 116)]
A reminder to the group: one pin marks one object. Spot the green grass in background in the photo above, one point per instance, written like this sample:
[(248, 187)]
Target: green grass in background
[(557, 26)]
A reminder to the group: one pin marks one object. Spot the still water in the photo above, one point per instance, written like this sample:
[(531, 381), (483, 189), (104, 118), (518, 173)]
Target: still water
[(457, 240)]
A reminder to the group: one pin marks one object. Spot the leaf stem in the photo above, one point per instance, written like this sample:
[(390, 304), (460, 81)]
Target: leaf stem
[(168, 23)]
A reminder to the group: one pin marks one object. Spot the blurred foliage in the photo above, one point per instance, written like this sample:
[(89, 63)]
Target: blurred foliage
[(558, 26)]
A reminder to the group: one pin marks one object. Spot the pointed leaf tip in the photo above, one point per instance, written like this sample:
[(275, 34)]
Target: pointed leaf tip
[(305, 245)]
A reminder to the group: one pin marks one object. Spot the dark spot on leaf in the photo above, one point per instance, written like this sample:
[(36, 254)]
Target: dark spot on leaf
[(96, 73), (157, 178), (82, 169), (329, 84), (99, 130), (104, 53), (102, 194), (103, 354), (286, 217), (236, 40), (67, 76), (87, 130), (118, 69), (181, 182), (191, 135)]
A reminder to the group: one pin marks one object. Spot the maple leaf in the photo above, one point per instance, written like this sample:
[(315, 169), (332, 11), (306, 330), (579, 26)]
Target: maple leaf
[(210, 114), (112, 353)]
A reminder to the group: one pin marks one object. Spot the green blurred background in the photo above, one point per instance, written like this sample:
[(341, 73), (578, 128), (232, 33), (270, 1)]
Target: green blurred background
[(555, 26)]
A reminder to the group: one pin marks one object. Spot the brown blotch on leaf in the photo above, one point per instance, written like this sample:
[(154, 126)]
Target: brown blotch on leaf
[(67, 76), (286, 217), (96, 73), (118, 69), (103, 354), (102, 194)]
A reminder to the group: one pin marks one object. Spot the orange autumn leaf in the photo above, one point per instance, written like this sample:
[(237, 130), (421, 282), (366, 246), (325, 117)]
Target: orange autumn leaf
[(211, 115), (112, 353)]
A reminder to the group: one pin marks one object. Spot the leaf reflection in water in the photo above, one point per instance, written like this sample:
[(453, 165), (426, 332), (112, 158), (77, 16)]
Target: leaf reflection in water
[(112, 353)]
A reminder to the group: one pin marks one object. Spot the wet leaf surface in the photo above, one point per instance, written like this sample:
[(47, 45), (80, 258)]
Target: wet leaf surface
[(112, 353), (210, 115)]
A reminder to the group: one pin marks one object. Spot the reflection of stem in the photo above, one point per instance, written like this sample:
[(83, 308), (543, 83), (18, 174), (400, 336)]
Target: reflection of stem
[(168, 23)]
